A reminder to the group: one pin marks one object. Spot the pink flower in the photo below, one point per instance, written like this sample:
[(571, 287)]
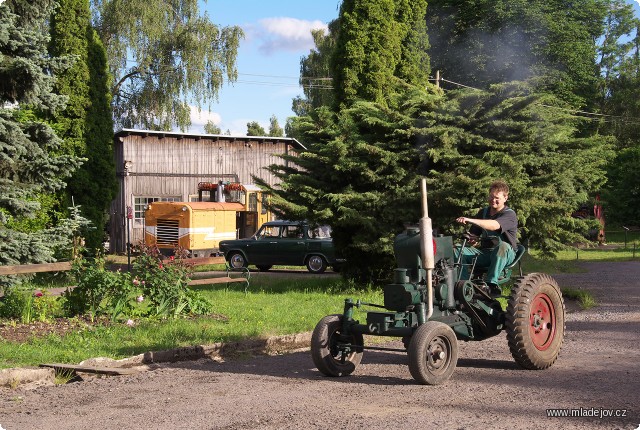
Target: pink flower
[(38, 294), (160, 266), (130, 323), (139, 299), (171, 258), (136, 282)]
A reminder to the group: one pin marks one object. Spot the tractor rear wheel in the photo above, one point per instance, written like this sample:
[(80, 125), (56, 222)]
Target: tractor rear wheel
[(535, 321), (433, 353), (327, 355)]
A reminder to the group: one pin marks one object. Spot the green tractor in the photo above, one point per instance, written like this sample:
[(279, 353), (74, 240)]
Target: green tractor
[(431, 308)]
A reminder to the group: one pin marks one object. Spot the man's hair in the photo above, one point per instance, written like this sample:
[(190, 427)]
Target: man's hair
[(499, 186)]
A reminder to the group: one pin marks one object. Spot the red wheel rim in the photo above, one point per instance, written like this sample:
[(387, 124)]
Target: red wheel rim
[(542, 319)]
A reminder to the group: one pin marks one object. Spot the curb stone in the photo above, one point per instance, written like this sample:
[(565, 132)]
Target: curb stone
[(31, 377)]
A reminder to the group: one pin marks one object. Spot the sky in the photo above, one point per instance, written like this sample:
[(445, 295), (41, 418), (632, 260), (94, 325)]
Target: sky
[(277, 36)]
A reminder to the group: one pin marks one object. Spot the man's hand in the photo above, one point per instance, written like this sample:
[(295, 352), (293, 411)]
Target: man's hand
[(462, 220), (471, 238)]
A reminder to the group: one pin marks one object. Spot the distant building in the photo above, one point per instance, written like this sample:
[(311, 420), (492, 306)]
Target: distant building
[(167, 166)]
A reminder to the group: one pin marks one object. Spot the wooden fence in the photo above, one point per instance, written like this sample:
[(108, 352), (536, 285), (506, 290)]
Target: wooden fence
[(200, 261)]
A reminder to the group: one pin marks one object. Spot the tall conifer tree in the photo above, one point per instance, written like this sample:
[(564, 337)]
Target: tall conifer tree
[(85, 125), (30, 159)]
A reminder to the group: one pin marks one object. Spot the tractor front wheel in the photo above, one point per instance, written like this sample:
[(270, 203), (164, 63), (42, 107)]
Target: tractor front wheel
[(335, 353), (433, 353), (535, 321)]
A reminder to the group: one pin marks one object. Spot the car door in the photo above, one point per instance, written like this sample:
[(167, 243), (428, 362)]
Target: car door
[(292, 245), (264, 250)]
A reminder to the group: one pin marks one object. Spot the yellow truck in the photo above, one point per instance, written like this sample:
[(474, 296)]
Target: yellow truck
[(223, 212)]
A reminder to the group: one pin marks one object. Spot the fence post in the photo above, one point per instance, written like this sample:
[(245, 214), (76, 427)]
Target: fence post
[(626, 229)]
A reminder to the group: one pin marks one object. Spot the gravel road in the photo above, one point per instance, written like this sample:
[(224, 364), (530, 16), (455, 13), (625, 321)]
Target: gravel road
[(598, 373)]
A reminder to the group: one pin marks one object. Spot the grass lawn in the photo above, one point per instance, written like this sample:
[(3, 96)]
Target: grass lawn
[(273, 306)]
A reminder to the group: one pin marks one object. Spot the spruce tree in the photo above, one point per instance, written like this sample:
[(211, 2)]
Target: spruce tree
[(30, 158), (531, 141)]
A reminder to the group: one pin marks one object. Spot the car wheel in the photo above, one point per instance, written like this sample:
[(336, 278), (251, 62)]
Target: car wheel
[(237, 261), (316, 264)]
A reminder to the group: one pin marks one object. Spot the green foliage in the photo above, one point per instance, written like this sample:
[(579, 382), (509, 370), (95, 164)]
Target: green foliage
[(526, 139), (164, 285), (86, 124), (622, 198), (98, 291), (360, 174), (585, 299), (31, 162), (378, 42), (26, 305), (163, 56), (315, 72), (156, 289), (483, 42), (255, 129), (211, 128), (274, 128)]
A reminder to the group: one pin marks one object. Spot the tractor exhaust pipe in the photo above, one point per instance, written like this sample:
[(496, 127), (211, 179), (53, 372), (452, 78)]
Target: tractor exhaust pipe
[(426, 246)]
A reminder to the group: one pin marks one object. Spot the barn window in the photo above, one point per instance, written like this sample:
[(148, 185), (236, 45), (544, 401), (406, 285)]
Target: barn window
[(141, 204)]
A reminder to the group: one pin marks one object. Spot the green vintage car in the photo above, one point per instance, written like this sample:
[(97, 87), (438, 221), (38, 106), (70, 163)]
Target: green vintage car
[(288, 243)]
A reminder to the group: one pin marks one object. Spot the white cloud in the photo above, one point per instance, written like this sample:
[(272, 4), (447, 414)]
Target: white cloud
[(286, 34), (200, 117)]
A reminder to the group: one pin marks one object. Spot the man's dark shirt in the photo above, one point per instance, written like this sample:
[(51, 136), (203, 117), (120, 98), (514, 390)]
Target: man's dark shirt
[(508, 225)]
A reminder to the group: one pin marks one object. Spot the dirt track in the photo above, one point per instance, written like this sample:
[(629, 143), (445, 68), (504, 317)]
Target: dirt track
[(598, 369)]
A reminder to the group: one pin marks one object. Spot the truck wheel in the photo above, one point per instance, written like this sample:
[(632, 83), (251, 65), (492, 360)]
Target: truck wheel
[(316, 264), (326, 338), (433, 353), (237, 260), (264, 268), (535, 321)]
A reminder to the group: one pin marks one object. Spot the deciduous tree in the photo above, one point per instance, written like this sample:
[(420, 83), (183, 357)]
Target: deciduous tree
[(164, 56), (255, 129)]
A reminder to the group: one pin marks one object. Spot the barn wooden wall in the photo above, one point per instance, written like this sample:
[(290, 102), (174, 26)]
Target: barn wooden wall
[(172, 165)]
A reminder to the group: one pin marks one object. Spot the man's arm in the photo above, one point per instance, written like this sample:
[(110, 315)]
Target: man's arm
[(487, 224)]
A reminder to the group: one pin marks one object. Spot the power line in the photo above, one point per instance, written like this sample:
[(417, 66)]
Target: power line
[(603, 117)]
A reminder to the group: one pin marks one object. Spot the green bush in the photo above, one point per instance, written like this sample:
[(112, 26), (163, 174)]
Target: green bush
[(156, 288), (99, 291), (25, 304), (165, 284)]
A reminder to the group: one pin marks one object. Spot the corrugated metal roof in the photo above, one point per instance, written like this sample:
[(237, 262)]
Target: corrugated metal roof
[(178, 135)]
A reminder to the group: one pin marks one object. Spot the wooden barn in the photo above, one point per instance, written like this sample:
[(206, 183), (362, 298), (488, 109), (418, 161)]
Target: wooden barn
[(167, 166)]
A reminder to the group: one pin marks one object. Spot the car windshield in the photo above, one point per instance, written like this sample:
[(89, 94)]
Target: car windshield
[(321, 232)]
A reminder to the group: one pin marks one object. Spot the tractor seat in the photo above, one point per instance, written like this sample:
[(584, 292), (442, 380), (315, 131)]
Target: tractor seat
[(520, 251)]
